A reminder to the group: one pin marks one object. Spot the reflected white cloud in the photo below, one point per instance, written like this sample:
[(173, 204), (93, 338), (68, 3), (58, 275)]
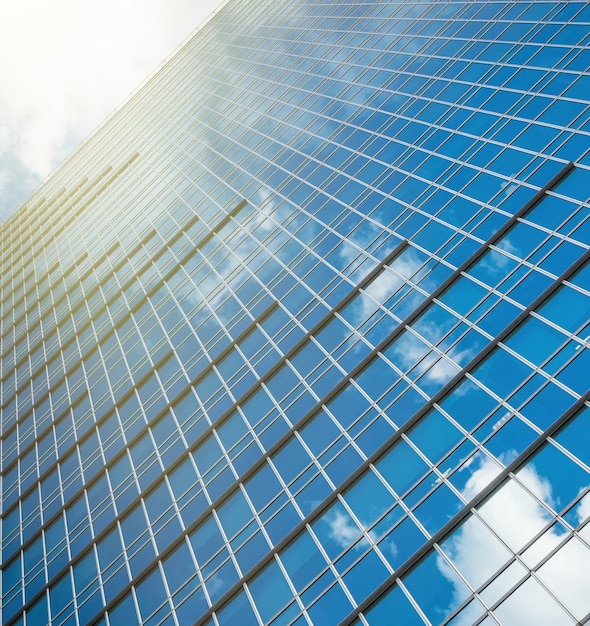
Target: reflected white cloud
[(266, 204), (583, 509), (410, 350), (344, 532), (215, 585), (342, 529), (508, 187), (211, 289), (516, 517), (444, 370), (568, 574), (495, 261), (385, 285), (359, 243)]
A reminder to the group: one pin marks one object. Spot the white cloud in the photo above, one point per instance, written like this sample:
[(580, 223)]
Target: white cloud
[(266, 205), (213, 291), (583, 508), (444, 369), (65, 65), (516, 517), (411, 350), (4, 180), (384, 285), (215, 585), (567, 573), (508, 187), (532, 601), (344, 532), (380, 289), (494, 261), (349, 253), (342, 529)]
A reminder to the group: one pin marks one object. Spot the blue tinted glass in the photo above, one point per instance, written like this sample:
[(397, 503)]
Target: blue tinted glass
[(401, 467), (237, 610), (436, 587), (254, 345), (270, 591), (333, 605), (394, 603), (303, 561)]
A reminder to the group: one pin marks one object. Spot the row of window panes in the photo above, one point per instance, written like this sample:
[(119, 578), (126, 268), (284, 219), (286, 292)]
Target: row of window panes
[(394, 481), (566, 291), (576, 362), (277, 324)]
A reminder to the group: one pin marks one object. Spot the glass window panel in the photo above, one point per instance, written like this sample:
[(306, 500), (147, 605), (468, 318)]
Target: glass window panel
[(178, 567), (291, 459), (394, 602), (60, 596), (547, 405), (206, 541), (368, 498), (367, 574), (401, 542), (234, 514), (495, 265), (545, 543), (348, 405), (303, 561), (535, 340), (238, 610), (511, 512), (438, 507), (574, 373), (502, 372), (554, 477), (567, 573), (435, 435), (494, 314), (401, 467), (573, 436), (332, 607), (567, 308), (531, 286), (503, 582), (436, 587), (468, 403), (532, 600), (336, 530), (550, 211), (319, 433), (150, 594), (270, 591), (219, 578), (123, 613), (188, 607), (262, 487), (475, 551)]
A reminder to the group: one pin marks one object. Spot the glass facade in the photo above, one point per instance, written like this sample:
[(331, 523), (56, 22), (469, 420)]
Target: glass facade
[(301, 335)]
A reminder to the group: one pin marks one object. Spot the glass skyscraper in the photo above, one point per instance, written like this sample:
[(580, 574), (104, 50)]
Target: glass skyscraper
[(301, 335)]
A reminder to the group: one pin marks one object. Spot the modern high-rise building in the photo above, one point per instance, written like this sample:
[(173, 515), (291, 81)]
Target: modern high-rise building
[(301, 334)]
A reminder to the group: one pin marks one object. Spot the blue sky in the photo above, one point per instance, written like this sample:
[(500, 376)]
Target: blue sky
[(65, 66)]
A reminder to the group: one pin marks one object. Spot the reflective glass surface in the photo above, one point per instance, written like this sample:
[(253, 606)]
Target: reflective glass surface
[(301, 335)]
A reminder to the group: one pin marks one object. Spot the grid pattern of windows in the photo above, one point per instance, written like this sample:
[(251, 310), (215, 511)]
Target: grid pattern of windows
[(302, 334)]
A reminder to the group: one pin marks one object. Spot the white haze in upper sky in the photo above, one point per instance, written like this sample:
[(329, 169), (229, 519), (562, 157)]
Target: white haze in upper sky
[(65, 65)]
